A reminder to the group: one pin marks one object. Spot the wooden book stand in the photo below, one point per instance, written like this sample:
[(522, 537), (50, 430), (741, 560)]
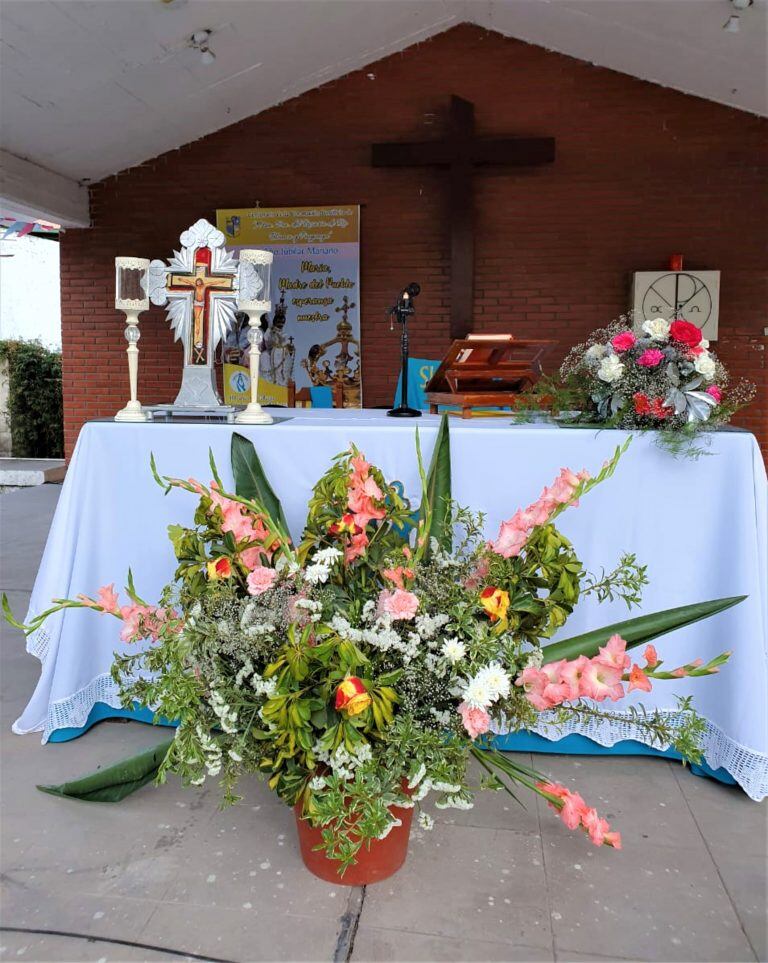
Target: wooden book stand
[(486, 371)]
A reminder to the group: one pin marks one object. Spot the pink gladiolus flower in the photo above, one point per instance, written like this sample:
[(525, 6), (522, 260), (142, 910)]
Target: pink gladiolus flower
[(475, 721), (595, 826), (108, 598), (651, 358), (600, 681), (260, 579), (613, 653), (650, 656), (638, 680), (398, 575), (398, 604), (571, 674), (356, 547), (510, 540), (623, 341), (714, 392), (612, 839)]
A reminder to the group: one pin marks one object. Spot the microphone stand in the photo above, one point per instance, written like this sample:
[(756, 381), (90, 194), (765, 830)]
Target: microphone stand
[(401, 312)]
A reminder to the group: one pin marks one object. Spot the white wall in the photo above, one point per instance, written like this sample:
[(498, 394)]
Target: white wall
[(30, 305)]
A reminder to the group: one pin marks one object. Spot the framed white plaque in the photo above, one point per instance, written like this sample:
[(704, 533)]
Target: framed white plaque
[(692, 295)]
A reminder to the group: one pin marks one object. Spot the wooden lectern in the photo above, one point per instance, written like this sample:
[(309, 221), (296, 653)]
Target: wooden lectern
[(486, 371)]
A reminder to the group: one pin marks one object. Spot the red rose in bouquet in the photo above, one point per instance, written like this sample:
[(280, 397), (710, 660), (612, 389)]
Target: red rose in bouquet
[(685, 333)]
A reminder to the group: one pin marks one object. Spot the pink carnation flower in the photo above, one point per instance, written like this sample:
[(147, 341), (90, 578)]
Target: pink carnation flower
[(398, 604), (260, 579), (714, 392), (651, 358), (476, 721), (623, 341)]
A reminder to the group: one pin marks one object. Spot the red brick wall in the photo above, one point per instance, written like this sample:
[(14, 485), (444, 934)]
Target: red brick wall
[(641, 172)]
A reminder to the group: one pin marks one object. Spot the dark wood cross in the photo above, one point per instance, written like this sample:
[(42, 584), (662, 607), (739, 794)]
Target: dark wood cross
[(461, 151)]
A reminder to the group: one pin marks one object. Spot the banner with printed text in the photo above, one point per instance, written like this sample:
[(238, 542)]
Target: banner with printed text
[(312, 334)]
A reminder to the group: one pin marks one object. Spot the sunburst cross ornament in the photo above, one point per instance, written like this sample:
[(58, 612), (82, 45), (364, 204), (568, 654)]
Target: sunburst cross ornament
[(199, 285)]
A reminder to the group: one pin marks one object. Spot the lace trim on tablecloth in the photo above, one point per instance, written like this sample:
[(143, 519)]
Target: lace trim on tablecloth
[(38, 642), (73, 712), (747, 766)]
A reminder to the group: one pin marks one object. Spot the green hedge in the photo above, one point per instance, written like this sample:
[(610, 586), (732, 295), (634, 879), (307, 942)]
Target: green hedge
[(35, 408)]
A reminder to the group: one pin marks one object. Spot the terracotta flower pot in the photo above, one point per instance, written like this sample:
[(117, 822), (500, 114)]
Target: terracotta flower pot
[(382, 859)]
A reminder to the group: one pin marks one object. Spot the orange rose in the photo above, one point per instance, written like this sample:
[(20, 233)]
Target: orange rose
[(219, 568), (495, 601), (352, 697)]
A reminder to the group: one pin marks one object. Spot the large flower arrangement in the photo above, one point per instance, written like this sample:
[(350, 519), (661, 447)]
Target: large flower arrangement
[(656, 374), (367, 667)]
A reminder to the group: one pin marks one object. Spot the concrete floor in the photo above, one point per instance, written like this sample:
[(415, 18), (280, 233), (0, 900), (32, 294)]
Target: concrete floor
[(165, 875)]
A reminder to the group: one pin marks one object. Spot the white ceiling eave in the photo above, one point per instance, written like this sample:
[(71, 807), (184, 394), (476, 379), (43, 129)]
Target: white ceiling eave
[(92, 87)]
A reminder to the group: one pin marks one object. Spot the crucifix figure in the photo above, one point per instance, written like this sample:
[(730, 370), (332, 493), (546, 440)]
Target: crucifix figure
[(202, 284), (460, 152), (198, 288)]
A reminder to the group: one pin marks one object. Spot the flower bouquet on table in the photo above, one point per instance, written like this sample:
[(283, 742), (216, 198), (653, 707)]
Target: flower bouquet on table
[(658, 375), (363, 670)]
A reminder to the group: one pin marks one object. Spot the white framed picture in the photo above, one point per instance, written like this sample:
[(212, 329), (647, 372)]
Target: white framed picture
[(692, 295)]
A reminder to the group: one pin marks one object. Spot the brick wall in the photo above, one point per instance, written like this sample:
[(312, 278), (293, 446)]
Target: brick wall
[(641, 172)]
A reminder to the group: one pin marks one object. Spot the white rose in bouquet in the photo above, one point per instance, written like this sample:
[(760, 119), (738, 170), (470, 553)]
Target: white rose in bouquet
[(596, 352), (657, 329), (705, 365), (611, 369)]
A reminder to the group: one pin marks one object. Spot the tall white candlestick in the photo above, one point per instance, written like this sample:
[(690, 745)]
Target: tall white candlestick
[(254, 414), (131, 298), (253, 300)]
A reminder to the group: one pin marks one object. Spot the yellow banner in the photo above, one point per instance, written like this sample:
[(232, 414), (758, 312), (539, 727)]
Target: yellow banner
[(289, 225), (237, 388)]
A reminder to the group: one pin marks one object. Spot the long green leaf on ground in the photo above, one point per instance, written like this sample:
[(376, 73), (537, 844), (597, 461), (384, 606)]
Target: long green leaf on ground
[(638, 630), (251, 481), (115, 782), (438, 489)]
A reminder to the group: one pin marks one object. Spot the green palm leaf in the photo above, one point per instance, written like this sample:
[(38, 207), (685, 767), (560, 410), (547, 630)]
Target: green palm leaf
[(638, 630), (115, 782), (251, 482), (437, 491)]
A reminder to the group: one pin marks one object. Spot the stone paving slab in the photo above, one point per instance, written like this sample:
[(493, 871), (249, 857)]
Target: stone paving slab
[(166, 869)]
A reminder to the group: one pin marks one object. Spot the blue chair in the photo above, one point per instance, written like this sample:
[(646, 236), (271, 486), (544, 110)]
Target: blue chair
[(420, 370), (322, 397)]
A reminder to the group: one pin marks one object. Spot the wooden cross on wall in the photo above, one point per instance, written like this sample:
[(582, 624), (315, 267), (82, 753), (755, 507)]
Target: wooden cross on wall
[(460, 152)]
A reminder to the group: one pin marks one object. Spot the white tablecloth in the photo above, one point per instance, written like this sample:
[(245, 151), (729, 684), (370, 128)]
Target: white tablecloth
[(699, 525)]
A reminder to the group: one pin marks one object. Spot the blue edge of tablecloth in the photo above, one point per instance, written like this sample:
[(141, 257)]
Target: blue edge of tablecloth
[(573, 745)]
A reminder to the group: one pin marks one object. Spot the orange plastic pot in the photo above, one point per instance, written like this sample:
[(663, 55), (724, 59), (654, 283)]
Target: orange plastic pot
[(381, 860)]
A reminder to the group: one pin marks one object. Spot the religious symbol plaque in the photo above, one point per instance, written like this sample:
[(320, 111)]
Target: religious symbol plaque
[(485, 371), (199, 287)]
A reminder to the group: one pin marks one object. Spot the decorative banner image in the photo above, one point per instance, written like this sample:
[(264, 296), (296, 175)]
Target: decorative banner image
[(312, 333)]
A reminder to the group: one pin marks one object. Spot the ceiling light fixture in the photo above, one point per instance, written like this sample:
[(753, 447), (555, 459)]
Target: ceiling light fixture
[(742, 4), (200, 40)]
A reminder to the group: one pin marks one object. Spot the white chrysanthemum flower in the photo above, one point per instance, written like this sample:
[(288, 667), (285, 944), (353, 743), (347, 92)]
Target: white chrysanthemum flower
[(705, 365), (611, 369), (657, 329), (326, 556), (316, 783), (426, 821), (454, 650), (317, 574), (595, 352), (496, 680), (477, 694), (235, 755)]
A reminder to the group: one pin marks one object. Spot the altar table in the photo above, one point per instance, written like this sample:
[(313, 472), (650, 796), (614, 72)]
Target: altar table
[(701, 527)]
